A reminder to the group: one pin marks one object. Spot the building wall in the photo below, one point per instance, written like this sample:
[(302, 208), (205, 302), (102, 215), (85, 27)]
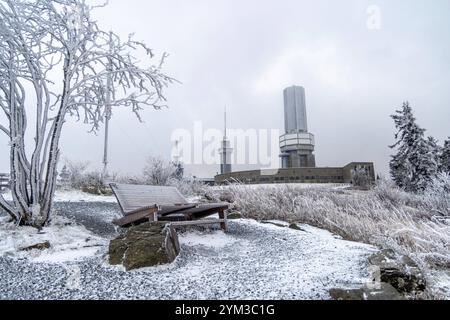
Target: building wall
[(370, 168), (300, 159), (296, 175)]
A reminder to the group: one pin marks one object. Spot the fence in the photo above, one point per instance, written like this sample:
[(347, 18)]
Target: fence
[(4, 181)]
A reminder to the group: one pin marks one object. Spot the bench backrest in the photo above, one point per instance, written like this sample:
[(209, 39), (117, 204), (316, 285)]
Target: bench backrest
[(134, 197)]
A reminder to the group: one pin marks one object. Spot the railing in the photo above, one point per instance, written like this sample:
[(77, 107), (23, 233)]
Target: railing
[(4, 181)]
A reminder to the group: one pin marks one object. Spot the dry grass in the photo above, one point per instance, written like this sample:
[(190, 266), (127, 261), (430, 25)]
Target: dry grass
[(415, 225)]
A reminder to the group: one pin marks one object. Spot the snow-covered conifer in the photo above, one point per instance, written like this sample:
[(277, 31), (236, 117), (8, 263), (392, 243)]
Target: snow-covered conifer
[(444, 163), (416, 163)]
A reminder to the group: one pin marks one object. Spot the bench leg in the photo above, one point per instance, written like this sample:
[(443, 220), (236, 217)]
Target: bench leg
[(223, 216)]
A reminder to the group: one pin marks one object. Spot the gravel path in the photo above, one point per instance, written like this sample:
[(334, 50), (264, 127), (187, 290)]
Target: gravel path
[(252, 261), (95, 216)]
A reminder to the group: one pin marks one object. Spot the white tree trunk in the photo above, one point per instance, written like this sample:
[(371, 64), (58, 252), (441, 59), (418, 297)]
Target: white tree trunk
[(39, 36)]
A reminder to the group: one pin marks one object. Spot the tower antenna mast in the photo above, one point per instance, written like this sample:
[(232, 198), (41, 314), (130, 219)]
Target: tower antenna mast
[(225, 123), (226, 150)]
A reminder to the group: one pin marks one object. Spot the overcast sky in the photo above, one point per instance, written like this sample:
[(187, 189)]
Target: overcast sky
[(242, 54)]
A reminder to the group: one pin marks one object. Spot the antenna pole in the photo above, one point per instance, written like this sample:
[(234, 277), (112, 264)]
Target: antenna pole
[(225, 124)]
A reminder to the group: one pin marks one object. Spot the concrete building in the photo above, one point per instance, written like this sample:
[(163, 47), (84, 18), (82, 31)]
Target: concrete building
[(297, 175), (297, 153), (297, 144)]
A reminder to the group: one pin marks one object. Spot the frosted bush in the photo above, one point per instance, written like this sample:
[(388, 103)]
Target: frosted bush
[(437, 196), (361, 178), (189, 186)]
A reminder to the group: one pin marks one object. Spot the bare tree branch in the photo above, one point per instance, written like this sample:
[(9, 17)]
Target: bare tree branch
[(6, 131)]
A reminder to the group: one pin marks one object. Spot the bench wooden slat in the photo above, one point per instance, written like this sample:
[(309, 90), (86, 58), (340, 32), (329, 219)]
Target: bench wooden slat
[(135, 200), (132, 197), (147, 214), (198, 222)]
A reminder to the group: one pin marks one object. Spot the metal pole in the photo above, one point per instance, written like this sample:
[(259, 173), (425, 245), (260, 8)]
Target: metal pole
[(225, 123), (107, 113)]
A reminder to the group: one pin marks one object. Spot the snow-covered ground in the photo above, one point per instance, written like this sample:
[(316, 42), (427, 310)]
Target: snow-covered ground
[(416, 225), (69, 242), (252, 261)]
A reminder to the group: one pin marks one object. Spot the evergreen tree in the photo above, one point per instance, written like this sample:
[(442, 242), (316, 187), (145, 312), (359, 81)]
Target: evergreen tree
[(416, 163), (64, 176), (431, 158), (444, 163)]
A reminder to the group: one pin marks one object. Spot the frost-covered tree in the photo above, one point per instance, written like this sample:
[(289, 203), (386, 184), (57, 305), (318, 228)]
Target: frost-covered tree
[(444, 163), (74, 174), (55, 62), (64, 177), (361, 178), (415, 164), (159, 172)]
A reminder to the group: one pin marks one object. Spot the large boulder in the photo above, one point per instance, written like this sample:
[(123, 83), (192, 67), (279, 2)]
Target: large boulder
[(399, 271), (40, 246), (146, 245)]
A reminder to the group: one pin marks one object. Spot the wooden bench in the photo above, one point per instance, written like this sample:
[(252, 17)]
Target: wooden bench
[(140, 204)]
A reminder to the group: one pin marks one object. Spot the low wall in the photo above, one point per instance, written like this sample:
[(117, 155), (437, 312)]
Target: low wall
[(297, 175)]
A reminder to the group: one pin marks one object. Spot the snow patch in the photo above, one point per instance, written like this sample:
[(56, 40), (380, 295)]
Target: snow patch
[(69, 242), (194, 199), (216, 240), (442, 280), (65, 256)]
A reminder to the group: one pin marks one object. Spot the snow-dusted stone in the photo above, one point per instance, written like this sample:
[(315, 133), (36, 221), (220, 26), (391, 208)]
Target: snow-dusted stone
[(235, 216), (104, 191), (146, 245), (295, 226), (384, 291), (39, 246), (399, 271)]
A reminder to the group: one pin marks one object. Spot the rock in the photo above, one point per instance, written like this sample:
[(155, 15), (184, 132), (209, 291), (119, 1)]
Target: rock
[(347, 295), (280, 225), (146, 245), (295, 226), (235, 216), (382, 257), (227, 197), (399, 271), (384, 291), (103, 191), (40, 246)]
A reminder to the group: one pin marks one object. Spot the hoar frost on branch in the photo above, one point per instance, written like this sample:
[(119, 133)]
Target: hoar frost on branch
[(159, 172), (58, 39)]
